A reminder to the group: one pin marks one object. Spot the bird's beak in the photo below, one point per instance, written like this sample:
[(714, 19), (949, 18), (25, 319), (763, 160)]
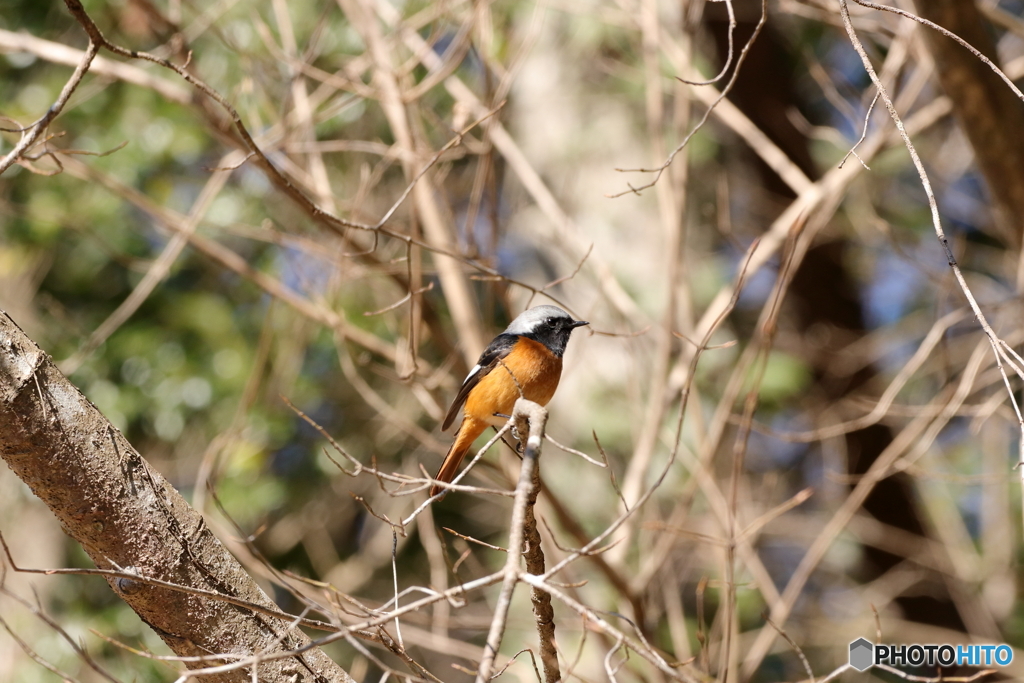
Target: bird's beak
[(578, 323)]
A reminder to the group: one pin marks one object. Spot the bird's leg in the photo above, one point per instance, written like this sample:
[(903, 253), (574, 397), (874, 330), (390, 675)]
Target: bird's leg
[(515, 448), (515, 434)]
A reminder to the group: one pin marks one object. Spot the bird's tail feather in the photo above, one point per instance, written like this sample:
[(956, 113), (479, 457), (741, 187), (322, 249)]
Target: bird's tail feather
[(464, 439)]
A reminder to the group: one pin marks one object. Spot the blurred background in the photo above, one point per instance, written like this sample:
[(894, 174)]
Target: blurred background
[(840, 456)]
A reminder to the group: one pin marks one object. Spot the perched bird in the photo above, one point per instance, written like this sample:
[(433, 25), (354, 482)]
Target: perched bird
[(524, 360)]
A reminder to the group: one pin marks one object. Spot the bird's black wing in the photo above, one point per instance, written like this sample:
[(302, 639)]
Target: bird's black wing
[(495, 351)]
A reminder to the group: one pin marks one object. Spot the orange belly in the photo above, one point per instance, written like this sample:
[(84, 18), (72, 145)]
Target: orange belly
[(536, 371)]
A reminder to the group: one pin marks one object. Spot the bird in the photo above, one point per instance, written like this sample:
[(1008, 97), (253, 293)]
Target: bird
[(524, 360)]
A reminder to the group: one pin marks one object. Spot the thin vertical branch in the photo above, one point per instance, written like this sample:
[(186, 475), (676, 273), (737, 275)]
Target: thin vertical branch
[(544, 614), (536, 416)]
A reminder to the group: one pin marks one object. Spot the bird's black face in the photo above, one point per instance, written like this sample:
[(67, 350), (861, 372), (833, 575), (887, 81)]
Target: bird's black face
[(553, 331)]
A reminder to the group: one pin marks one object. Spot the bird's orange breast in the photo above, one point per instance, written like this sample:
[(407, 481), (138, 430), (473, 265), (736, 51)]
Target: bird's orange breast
[(536, 371)]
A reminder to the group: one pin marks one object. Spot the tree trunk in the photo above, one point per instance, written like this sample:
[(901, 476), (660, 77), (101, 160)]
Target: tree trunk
[(127, 517), (989, 113)]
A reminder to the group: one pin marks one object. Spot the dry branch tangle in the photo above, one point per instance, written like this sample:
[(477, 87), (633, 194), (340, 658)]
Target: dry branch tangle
[(126, 515)]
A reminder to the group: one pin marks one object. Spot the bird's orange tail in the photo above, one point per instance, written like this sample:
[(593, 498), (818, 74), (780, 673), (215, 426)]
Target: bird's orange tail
[(464, 438)]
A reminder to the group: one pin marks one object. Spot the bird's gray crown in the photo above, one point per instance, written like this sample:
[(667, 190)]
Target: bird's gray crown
[(529, 320)]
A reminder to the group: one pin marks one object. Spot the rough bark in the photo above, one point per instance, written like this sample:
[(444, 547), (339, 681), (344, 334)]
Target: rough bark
[(125, 515), (988, 111), (544, 614)]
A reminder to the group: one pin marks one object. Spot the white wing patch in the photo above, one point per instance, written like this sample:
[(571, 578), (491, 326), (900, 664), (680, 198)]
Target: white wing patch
[(476, 369)]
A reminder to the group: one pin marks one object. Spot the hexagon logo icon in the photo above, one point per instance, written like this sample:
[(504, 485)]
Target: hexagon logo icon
[(862, 654)]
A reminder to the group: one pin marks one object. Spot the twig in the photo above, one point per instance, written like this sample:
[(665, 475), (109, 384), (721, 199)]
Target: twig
[(33, 131), (577, 453), (728, 60), (659, 171), (592, 617), (475, 540), (935, 679), (863, 136), (796, 648), (949, 34), (78, 648)]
